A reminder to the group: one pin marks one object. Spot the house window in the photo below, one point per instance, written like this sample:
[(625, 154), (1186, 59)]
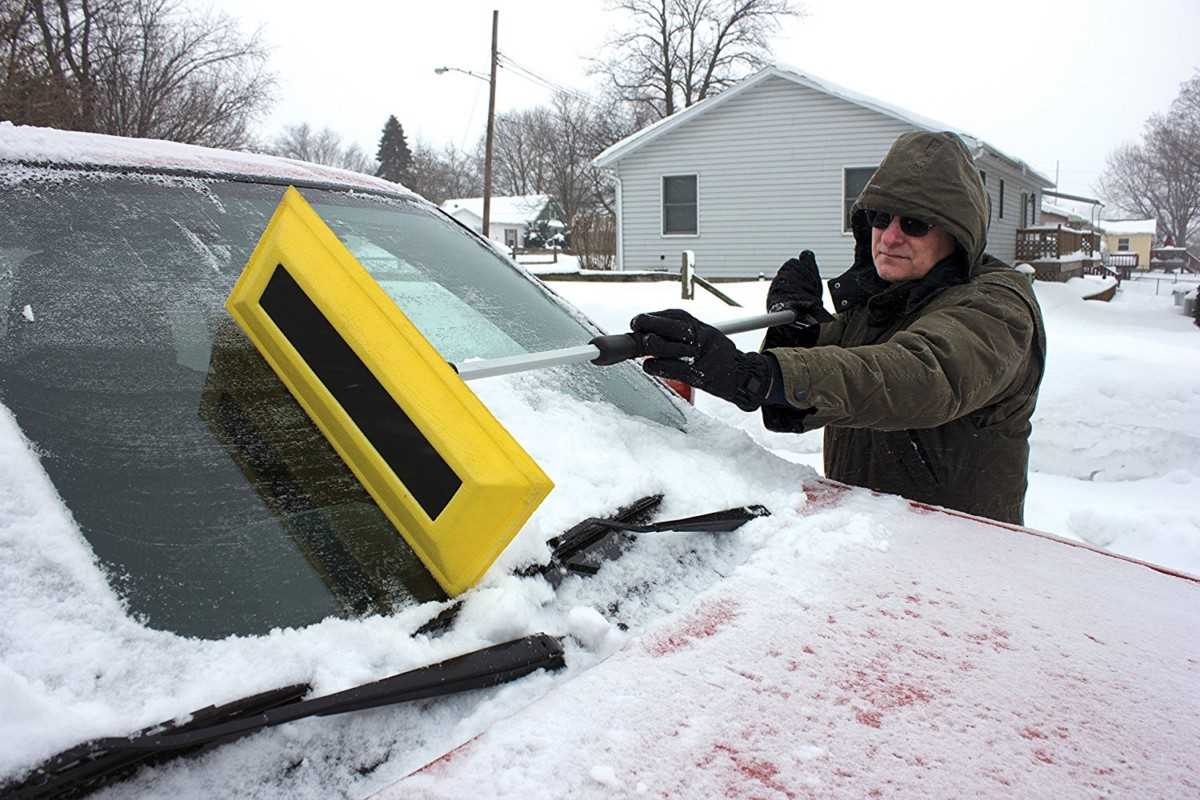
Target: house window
[(854, 180), (1002, 198), (983, 177), (1024, 210), (1122, 244), (510, 237), (679, 205)]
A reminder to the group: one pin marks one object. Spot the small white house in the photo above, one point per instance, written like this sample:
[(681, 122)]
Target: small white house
[(770, 167), (511, 217)]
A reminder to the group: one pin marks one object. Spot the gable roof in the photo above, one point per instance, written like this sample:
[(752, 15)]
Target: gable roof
[(651, 132), (515, 210)]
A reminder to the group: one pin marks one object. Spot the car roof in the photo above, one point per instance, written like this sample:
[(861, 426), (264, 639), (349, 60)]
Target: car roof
[(951, 657), (30, 145)]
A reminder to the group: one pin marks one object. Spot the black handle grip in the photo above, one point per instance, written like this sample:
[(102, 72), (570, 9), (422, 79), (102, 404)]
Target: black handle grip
[(615, 348)]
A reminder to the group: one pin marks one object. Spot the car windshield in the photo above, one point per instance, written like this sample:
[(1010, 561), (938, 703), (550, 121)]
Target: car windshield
[(213, 503)]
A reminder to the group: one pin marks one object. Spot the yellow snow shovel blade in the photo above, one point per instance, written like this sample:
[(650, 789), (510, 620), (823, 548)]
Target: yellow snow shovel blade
[(446, 473)]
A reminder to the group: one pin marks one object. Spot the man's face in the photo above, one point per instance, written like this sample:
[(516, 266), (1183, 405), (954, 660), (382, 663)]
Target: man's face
[(900, 257)]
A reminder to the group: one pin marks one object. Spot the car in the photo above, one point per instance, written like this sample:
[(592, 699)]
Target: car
[(178, 535)]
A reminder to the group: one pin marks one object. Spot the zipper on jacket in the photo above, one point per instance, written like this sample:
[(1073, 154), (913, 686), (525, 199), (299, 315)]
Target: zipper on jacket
[(922, 456)]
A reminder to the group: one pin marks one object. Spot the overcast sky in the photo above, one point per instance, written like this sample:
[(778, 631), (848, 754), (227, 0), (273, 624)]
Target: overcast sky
[(1057, 84)]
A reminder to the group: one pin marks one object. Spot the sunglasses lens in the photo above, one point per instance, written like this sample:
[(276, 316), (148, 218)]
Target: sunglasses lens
[(908, 225)]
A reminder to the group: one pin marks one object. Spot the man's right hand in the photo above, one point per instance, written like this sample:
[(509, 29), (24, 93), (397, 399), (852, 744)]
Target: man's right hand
[(797, 288)]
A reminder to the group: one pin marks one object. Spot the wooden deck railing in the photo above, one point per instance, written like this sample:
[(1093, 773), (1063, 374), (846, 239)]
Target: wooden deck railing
[(1043, 243), (1170, 259)]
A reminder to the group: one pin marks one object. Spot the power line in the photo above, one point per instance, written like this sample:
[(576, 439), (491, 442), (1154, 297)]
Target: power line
[(533, 77)]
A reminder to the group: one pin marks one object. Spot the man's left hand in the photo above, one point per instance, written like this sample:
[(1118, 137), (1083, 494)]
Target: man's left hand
[(683, 348)]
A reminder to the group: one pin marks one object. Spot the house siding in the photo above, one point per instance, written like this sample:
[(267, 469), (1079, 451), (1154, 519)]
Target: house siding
[(769, 165), (1002, 231), (769, 169), (1139, 243)]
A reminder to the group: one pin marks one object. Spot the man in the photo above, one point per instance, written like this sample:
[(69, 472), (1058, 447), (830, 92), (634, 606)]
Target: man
[(926, 379)]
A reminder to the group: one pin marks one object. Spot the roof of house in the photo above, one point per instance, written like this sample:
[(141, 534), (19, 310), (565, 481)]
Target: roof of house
[(1063, 211), (1129, 226), (630, 143), (516, 210)]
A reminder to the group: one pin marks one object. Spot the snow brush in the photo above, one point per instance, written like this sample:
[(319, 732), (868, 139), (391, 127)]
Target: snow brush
[(454, 483), (602, 351)]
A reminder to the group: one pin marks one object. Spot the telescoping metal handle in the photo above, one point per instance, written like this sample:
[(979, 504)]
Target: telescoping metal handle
[(602, 350)]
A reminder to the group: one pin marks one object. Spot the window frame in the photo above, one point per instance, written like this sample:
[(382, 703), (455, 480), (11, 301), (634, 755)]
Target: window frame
[(662, 206), (1123, 248), (842, 207)]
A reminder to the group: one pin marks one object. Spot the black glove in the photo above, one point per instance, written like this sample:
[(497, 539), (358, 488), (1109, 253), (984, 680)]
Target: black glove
[(797, 287), (683, 348)]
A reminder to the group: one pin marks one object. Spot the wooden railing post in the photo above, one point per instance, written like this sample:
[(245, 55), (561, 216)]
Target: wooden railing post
[(687, 275)]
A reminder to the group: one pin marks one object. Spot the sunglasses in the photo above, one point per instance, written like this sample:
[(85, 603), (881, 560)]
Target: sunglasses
[(909, 226)]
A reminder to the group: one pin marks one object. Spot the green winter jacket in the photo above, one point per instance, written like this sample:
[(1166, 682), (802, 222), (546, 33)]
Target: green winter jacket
[(925, 388)]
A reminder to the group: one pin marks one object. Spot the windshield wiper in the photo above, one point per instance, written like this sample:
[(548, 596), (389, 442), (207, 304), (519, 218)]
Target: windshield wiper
[(583, 548), (101, 762)]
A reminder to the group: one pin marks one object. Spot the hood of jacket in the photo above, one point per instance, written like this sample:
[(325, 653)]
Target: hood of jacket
[(930, 176)]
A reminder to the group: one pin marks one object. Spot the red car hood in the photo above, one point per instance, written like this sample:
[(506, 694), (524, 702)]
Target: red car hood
[(944, 656)]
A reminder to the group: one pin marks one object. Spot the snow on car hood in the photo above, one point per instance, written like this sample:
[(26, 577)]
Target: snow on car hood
[(921, 654)]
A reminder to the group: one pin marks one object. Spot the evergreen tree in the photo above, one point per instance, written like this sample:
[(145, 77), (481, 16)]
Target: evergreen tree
[(395, 159)]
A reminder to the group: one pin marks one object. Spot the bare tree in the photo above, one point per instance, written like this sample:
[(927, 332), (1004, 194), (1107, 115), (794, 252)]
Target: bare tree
[(147, 68), (1160, 177), (520, 152), (612, 120), (439, 175), (320, 147), (670, 54)]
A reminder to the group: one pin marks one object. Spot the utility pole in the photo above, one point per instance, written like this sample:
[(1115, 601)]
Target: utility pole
[(491, 127)]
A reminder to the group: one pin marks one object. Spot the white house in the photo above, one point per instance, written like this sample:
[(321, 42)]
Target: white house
[(511, 217), (770, 167)]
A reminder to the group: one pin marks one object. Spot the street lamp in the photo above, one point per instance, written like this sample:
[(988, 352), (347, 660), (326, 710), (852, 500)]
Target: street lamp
[(491, 124), (444, 70)]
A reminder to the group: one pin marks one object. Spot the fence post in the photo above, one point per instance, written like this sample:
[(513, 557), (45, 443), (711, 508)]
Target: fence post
[(687, 273)]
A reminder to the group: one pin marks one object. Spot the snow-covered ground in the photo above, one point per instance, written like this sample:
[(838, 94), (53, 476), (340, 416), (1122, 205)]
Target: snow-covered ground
[(1115, 458)]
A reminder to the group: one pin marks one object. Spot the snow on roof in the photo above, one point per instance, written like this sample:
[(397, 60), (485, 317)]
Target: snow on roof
[(977, 145), (1062, 211), (515, 210), (1129, 226), (48, 145)]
